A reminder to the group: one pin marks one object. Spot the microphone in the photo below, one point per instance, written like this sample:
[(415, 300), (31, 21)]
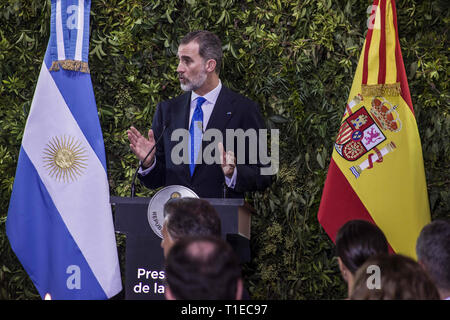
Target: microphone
[(224, 194), (166, 124)]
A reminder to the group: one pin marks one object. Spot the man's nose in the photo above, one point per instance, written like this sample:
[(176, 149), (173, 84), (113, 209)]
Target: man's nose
[(180, 68)]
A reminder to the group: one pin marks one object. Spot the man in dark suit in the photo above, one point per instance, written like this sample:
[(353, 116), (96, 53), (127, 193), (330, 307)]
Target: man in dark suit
[(206, 104)]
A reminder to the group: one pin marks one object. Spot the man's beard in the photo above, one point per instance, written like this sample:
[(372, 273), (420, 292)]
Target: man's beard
[(195, 83)]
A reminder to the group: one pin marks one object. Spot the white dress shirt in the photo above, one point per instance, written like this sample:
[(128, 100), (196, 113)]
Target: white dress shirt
[(207, 108)]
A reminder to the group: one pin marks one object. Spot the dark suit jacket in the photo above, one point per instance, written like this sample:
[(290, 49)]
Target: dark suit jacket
[(231, 111)]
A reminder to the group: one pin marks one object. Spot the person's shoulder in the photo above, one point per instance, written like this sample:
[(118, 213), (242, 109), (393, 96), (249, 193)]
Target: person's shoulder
[(238, 97), (177, 101)]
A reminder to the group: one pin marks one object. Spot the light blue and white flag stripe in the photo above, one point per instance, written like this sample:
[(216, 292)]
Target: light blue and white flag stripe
[(70, 30), (59, 220)]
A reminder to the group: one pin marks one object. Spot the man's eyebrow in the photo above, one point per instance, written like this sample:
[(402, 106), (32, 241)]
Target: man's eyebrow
[(184, 57)]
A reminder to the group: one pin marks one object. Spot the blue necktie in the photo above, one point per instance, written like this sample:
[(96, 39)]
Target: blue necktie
[(196, 131)]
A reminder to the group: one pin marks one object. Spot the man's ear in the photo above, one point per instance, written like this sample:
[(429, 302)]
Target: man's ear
[(168, 293), (239, 289), (211, 65)]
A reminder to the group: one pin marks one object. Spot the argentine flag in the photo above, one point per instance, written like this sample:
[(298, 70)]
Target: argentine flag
[(59, 219)]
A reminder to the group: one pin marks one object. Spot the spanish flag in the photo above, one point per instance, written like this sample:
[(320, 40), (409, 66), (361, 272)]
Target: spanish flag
[(376, 171)]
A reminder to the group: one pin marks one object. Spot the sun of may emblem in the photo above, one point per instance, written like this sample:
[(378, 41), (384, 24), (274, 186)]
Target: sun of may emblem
[(65, 158)]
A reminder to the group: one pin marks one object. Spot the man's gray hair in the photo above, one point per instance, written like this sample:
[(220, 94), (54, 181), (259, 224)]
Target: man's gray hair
[(210, 46)]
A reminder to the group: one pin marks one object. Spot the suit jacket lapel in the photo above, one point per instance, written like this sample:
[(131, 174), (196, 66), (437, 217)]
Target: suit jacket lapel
[(223, 110), (221, 115), (181, 120), (181, 114)]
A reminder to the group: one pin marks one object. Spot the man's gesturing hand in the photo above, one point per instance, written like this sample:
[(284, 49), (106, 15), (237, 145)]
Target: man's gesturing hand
[(141, 145), (228, 161)]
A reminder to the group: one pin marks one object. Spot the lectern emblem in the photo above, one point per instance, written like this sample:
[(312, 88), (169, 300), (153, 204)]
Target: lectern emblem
[(175, 195), (155, 211)]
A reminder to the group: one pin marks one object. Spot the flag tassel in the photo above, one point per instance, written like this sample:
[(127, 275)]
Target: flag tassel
[(392, 89), (72, 65)]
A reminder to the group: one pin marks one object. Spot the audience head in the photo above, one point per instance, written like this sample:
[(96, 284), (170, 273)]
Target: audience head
[(203, 267), (188, 217), (398, 278), (433, 254), (356, 241)]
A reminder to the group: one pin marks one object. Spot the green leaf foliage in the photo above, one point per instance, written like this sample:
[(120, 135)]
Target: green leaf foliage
[(295, 58)]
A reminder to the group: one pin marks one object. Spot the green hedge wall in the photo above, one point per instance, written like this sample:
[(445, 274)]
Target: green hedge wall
[(295, 58)]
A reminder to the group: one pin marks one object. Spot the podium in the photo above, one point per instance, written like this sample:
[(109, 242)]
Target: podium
[(144, 258)]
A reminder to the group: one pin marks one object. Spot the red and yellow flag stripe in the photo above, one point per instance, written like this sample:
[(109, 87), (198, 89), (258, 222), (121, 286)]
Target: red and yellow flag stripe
[(376, 172)]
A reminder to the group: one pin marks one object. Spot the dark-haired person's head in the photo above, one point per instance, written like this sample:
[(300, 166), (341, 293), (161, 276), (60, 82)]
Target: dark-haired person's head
[(433, 253), (203, 268), (392, 277), (356, 241), (188, 217)]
